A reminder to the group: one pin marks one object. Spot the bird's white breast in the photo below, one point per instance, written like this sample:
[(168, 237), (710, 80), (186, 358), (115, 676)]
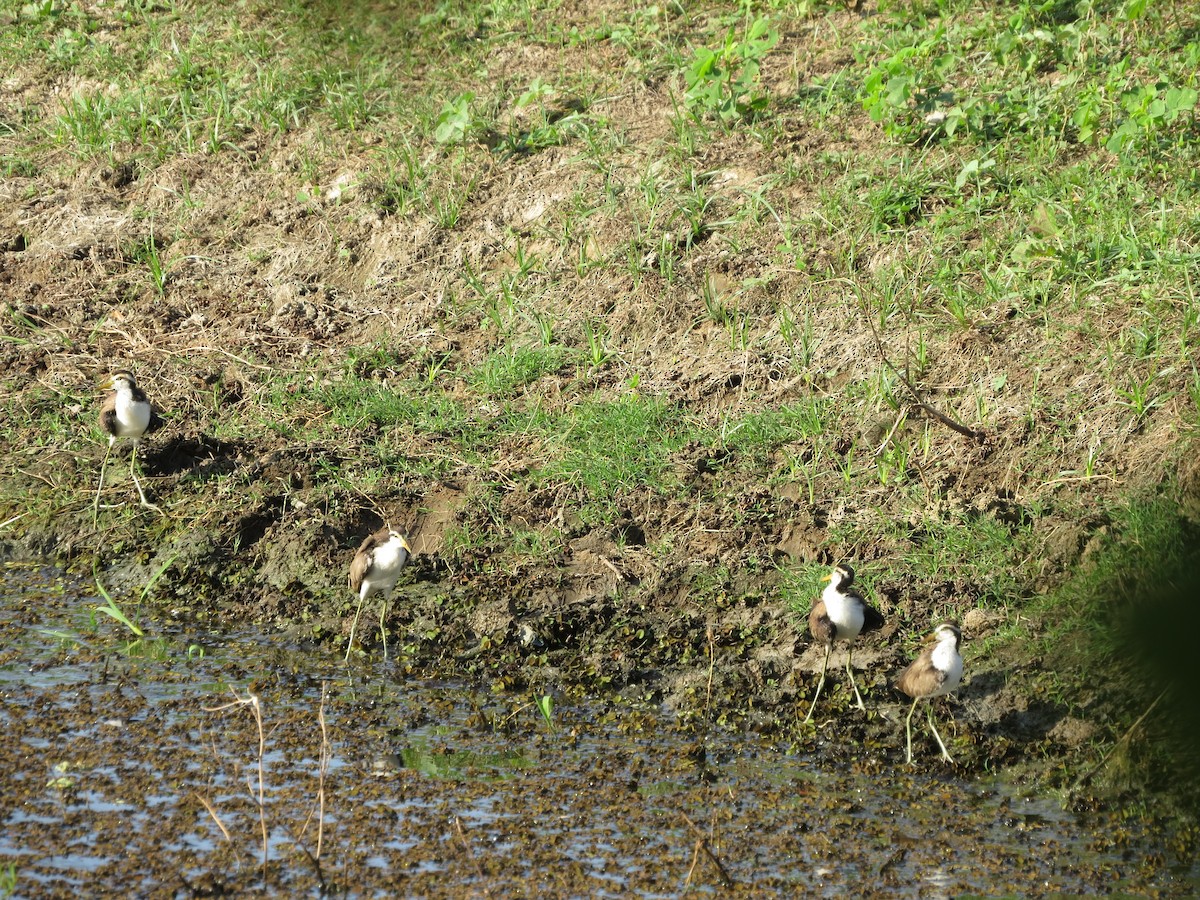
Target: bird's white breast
[(846, 612), (387, 559), (390, 555), (947, 660), (133, 418)]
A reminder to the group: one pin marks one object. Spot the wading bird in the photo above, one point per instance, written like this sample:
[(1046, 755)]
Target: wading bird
[(841, 614), (376, 569), (937, 671), (125, 415)]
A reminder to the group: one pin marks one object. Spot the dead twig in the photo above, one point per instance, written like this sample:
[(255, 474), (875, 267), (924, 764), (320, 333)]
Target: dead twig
[(213, 812), (324, 756), (695, 862), (12, 520), (189, 353), (900, 420), (702, 844), (918, 400), (712, 661), (38, 476), (462, 837), (606, 561), (1124, 739), (252, 702)]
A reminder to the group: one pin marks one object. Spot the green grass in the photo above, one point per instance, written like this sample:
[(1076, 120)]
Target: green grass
[(772, 428), (607, 450), (509, 369), (8, 880)]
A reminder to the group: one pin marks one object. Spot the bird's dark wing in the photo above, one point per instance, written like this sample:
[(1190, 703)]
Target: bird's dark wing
[(820, 625), (921, 678), (364, 558), (872, 618), (108, 417), (359, 568), (156, 421)]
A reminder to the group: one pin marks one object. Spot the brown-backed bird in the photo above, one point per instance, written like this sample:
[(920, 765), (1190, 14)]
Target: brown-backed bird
[(936, 671), (376, 569), (126, 414), (841, 614)]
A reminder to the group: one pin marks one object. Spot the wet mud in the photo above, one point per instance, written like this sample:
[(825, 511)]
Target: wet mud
[(197, 762)]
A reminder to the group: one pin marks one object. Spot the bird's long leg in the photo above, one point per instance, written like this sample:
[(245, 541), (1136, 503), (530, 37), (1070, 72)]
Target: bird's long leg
[(933, 728), (382, 630), (908, 730), (362, 595), (100, 486), (850, 672), (133, 471), (821, 683)]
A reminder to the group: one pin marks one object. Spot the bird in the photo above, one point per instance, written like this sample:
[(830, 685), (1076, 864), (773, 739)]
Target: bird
[(840, 614), (935, 672), (126, 414), (376, 569)]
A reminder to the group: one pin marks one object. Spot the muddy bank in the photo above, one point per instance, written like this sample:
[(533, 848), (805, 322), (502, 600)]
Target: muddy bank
[(609, 620), (135, 765)]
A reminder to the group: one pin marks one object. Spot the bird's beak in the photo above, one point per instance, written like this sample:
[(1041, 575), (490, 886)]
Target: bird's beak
[(107, 383), (828, 577), (404, 544)]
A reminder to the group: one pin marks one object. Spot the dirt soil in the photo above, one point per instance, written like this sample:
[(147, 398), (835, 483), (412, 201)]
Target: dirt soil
[(278, 279)]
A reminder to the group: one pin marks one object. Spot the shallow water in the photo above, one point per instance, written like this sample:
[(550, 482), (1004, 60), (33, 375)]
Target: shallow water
[(134, 767)]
